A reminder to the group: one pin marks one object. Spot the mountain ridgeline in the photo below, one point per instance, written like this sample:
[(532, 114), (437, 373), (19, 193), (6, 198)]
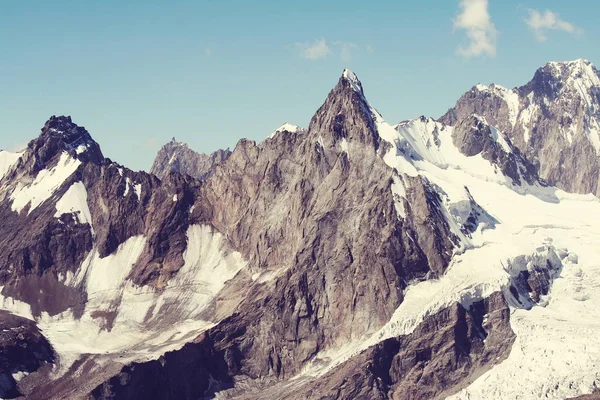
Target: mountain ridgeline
[(353, 259)]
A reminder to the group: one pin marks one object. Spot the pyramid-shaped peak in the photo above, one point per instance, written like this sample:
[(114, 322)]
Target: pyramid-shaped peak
[(353, 80), (60, 134), (345, 114)]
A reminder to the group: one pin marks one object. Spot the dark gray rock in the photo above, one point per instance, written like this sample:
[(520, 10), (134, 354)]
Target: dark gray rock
[(23, 349)]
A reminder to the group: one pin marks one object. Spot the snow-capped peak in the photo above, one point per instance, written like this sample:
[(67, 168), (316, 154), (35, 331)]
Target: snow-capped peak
[(581, 70), (574, 65), (351, 78), (285, 128)]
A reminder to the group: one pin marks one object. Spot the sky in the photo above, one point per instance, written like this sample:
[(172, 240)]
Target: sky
[(209, 73)]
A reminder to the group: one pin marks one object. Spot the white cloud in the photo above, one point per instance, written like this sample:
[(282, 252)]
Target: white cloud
[(314, 51), (208, 51), (539, 23), (476, 21), (346, 49)]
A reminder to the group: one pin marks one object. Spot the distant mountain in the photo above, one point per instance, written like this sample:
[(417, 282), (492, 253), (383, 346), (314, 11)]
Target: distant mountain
[(178, 157), (349, 260), (554, 120)]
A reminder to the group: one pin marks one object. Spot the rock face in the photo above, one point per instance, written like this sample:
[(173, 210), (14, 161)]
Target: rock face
[(329, 275), (446, 350), (332, 274), (63, 198), (554, 120), (473, 136), (178, 157), (349, 260), (318, 229), (23, 349)]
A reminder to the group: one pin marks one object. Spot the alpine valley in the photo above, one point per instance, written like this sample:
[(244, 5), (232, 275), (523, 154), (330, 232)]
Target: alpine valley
[(456, 257)]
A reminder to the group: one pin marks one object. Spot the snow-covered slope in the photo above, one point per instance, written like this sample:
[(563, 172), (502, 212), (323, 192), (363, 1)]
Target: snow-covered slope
[(528, 226), (130, 322)]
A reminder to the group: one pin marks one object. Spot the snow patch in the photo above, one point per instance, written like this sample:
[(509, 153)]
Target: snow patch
[(501, 140), (81, 149), (44, 185), (147, 322), (344, 145), (103, 277), (75, 201), (351, 78), (137, 188), (399, 194), (127, 184), (19, 375), (285, 128)]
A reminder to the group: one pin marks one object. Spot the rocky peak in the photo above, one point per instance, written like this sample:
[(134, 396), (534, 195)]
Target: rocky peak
[(60, 134), (567, 81), (178, 157), (353, 80), (346, 114), (578, 69), (474, 135)]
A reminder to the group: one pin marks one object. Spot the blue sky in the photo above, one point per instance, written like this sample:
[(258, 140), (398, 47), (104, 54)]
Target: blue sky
[(137, 73)]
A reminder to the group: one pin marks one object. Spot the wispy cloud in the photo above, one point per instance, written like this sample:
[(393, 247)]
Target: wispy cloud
[(346, 50), (321, 48), (475, 19), (315, 50), (208, 51), (540, 23)]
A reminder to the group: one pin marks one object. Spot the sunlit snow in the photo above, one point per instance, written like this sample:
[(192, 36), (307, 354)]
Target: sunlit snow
[(75, 201), (46, 182)]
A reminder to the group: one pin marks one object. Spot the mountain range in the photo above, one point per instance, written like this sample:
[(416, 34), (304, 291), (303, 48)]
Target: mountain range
[(451, 257)]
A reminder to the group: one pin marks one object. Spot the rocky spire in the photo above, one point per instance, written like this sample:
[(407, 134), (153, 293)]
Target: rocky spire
[(61, 134), (346, 114)]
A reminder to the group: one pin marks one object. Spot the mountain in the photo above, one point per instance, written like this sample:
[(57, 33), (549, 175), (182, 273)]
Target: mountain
[(353, 259), (285, 128), (554, 119), (178, 157)]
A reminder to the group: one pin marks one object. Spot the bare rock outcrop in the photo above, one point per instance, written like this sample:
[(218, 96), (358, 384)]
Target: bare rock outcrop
[(178, 157)]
